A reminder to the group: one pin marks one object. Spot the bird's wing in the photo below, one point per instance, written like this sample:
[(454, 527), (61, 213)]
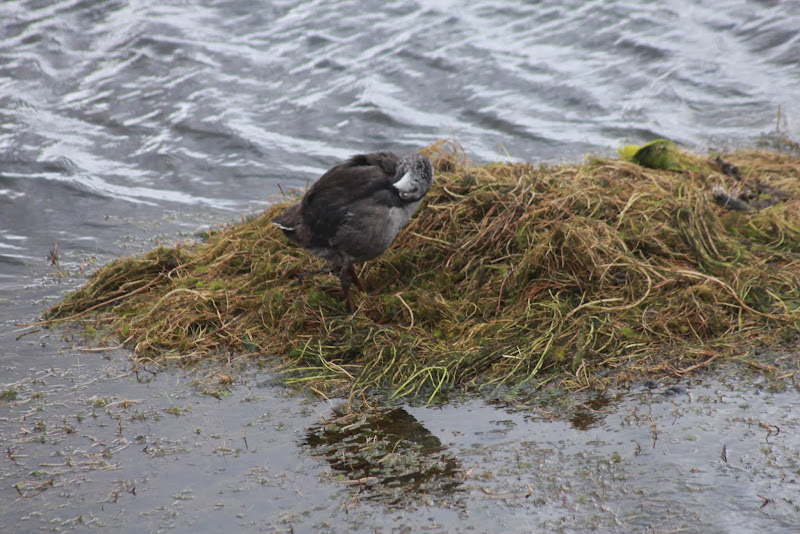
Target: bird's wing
[(327, 204)]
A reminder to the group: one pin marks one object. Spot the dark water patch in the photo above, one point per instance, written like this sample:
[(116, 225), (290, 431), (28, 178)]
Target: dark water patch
[(643, 51), (492, 120), (388, 456), (591, 412)]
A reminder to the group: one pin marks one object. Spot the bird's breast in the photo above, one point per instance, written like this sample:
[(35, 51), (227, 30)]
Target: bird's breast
[(399, 217)]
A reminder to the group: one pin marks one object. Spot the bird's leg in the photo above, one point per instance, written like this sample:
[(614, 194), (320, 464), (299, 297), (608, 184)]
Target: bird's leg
[(354, 276), (345, 277)]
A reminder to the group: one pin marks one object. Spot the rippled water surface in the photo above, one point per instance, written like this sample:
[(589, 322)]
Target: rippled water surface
[(131, 108), (125, 123)]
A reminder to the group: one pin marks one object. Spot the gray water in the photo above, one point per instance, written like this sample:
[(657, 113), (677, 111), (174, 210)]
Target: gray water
[(125, 124)]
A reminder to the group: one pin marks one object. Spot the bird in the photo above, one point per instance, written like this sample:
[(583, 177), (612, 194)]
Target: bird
[(354, 211)]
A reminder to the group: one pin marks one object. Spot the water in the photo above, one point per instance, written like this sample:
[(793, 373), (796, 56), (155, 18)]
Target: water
[(88, 444), (125, 124)]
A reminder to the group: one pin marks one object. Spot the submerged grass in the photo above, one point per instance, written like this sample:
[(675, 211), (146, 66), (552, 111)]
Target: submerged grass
[(509, 274)]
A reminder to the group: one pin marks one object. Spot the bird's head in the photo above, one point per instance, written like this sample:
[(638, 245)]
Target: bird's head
[(414, 177)]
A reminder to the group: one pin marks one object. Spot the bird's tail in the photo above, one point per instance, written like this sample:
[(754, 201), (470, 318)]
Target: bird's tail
[(289, 220)]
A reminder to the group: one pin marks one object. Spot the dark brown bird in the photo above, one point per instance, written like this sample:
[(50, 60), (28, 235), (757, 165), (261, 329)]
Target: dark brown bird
[(353, 212)]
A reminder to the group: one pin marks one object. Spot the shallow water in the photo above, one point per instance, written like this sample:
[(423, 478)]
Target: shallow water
[(124, 124), (88, 443)]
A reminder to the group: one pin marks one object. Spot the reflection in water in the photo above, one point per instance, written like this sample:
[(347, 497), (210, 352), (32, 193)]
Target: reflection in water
[(386, 454), (592, 412)]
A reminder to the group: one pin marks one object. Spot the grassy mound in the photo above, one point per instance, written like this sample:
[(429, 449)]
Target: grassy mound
[(509, 274)]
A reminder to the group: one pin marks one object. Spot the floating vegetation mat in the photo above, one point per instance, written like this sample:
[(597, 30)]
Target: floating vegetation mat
[(509, 274)]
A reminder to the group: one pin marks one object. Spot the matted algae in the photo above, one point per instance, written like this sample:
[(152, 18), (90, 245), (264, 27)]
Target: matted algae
[(510, 273)]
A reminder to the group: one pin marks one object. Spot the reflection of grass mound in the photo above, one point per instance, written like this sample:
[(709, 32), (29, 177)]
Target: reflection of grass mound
[(508, 273), (387, 455)]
